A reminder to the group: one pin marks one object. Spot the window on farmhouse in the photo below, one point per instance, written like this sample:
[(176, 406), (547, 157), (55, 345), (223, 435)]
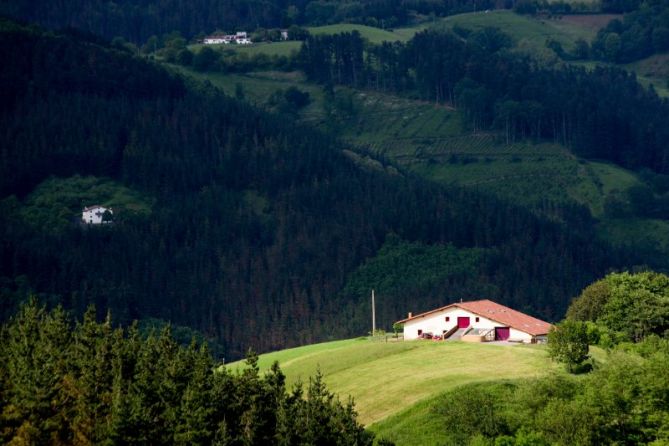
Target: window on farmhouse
[(477, 319), (448, 318), (420, 332)]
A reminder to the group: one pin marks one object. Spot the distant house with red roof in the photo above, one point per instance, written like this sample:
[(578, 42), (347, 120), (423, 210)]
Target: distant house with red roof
[(476, 321)]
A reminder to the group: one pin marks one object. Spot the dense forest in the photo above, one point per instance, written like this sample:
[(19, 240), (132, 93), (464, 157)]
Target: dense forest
[(137, 21), (90, 383), (231, 221), (602, 113), (639, 34)]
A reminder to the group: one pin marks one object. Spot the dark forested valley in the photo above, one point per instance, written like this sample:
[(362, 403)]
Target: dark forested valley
[(251, 227)]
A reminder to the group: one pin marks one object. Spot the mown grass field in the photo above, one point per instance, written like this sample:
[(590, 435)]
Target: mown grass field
[(386, 378), (374, 35), (259, 86), (524, 30)]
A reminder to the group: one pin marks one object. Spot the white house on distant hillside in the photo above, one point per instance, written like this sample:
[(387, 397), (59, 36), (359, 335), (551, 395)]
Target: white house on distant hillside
[(94, 215), (475, 321), (240, 38)]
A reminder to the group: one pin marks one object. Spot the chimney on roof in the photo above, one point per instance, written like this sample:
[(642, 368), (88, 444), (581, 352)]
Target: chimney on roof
[(410, 314), (461, 300)]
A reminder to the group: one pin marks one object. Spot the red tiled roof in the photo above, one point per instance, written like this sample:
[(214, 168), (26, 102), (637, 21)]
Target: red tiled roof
[(498, 313)]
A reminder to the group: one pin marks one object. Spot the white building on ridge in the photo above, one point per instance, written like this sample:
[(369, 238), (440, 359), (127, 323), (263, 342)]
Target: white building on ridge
[(475, 321), (240, 38), (94, 215)]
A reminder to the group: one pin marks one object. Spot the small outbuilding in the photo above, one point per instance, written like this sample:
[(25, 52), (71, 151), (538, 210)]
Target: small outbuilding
[(475, 321)]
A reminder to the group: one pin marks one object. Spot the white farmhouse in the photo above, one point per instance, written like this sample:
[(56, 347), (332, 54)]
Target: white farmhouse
[(217, 39), (240, 38), (93, 215), (475, 321)]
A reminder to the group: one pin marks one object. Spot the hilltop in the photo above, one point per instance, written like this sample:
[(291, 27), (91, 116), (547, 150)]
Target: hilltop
[(406, 371), (388, 380)]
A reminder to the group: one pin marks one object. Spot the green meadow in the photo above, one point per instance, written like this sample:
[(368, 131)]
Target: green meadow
[(523, 30), (386, 378), (374, 35)]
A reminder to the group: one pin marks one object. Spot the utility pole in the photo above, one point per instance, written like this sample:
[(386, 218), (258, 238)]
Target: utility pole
[(373, 315)]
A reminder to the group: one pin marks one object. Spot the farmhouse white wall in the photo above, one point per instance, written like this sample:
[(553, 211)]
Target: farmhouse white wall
[(94, 215), (517, 335), (436, 324)]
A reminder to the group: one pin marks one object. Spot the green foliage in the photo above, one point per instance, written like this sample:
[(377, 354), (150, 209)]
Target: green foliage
[(297, 97), (628, 306), (205, 59), (56, 203), (401, 268), (568, 343), (184, 336), (589, 305), (288, 102), (92, 383), (475, 412), (432, 64), (638, 304), (637, 35), (623, 401)]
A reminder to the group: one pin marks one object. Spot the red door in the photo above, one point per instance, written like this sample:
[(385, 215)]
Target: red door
[(463, 321), (502, 333)]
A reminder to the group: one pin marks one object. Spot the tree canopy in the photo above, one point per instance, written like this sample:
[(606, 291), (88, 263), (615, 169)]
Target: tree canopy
[(86, 382)]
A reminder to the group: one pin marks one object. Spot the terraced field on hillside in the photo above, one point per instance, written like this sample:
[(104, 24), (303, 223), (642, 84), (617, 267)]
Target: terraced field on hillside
[(432, 141)]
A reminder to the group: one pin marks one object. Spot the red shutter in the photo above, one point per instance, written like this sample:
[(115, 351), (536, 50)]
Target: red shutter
[(502, 333)]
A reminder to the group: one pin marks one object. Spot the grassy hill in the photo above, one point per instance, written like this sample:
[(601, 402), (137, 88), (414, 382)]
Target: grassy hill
[(374, 35), (524, 30), (386, 378)]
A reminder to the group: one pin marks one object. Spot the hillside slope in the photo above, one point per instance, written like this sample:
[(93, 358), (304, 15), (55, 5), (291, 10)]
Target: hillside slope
[(255, 224), (387, 378)]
